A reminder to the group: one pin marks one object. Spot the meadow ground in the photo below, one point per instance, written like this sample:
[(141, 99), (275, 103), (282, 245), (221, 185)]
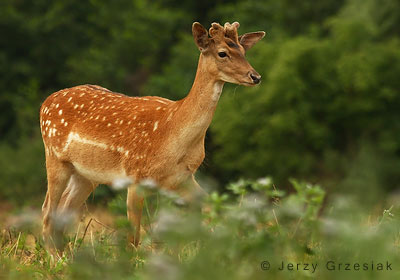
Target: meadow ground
[(253, 232)]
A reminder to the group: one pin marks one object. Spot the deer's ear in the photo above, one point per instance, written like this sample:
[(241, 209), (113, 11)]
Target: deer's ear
[(248, 40), (200, 36)]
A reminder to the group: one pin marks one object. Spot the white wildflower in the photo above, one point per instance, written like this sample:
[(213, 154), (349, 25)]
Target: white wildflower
[(121, 183), (265, 181)]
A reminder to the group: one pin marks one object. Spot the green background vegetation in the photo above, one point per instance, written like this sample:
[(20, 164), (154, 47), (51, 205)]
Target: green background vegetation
[(327, 112)]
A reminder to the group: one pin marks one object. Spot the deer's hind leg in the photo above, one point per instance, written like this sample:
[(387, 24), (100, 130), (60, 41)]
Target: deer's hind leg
[(78, 190)]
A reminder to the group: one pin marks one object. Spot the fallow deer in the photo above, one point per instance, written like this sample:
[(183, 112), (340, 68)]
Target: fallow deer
[(93, 136)]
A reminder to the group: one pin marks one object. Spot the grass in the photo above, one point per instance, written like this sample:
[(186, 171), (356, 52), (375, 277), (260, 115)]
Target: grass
[(247, 233)]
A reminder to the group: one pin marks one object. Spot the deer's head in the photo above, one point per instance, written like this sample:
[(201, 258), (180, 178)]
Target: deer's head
[(224, 52)]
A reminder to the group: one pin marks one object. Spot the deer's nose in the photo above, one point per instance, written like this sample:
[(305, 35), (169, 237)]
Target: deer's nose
[(255, 77)]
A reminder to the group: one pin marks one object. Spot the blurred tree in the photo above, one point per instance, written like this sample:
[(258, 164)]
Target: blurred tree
[(36, 40), (281, 18), (126, 48), (321, 100), (177, 76), (325, 93)]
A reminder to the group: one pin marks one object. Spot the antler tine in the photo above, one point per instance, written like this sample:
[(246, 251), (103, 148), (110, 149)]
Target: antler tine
[(231, 30), (216, 31), (216, 25), (233, 25)]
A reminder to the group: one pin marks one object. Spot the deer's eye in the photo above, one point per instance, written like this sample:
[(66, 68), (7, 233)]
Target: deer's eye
[(222, 54)]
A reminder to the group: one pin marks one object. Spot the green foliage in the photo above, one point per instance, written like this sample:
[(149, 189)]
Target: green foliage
[(326, 93), (279, 18), (134, 41), (321, 100), (178, 74), (23, 173)]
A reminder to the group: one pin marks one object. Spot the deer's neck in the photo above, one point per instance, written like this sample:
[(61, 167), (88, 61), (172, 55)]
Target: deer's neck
[(197, 109)]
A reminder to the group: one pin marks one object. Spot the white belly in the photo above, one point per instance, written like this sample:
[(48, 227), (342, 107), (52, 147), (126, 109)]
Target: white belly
[(100, 176)]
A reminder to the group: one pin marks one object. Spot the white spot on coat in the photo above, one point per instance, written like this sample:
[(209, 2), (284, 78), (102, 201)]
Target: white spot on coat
[(155, 126)]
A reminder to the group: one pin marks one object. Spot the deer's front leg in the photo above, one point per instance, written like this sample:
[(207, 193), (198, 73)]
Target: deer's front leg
[(198, 190), (134, 209), (58, 175), (190, 191), (200, 195)]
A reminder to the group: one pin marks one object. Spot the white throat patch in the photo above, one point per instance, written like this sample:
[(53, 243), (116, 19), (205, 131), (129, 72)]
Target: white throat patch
[(217, 90)]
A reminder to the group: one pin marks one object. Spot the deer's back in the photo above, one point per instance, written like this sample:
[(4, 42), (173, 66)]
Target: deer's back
[(105, 135)]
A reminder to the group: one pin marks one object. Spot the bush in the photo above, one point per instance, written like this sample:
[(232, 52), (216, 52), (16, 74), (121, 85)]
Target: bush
[(321, 101), (23, 173)]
